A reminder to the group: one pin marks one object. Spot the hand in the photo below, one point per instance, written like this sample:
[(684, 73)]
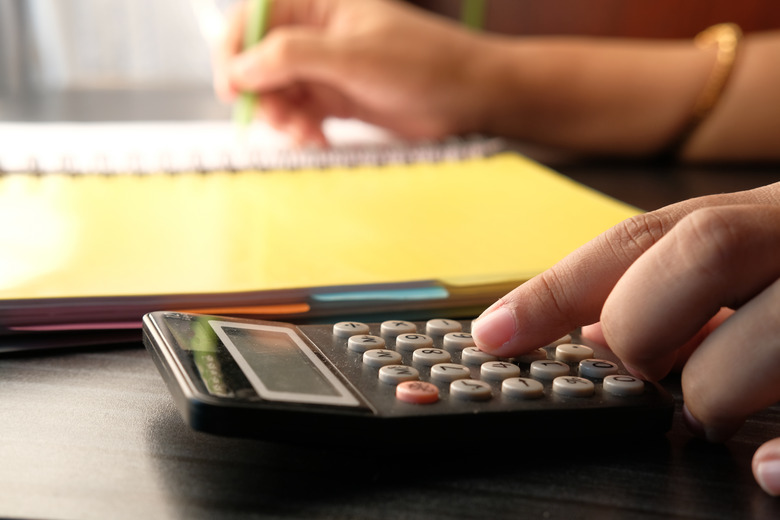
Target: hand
[(694, 284), (375, 60), (422, 76)]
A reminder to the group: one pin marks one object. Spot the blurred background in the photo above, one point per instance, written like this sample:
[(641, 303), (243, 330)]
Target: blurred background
[(104, 44), (110, 44), (630, 18)]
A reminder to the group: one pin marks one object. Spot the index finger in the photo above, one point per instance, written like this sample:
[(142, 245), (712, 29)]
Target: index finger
[(569, 294), (572, 293)]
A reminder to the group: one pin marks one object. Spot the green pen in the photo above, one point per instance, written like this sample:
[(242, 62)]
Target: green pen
[(258, 12), (472, 14)]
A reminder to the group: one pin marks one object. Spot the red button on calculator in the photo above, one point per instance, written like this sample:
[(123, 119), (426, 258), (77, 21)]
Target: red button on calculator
[(417, 392)]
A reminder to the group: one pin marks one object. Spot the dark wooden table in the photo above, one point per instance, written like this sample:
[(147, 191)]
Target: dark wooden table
[(93, 433)]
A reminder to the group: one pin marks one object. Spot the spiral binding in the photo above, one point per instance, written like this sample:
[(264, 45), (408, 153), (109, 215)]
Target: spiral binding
[(453, 149)]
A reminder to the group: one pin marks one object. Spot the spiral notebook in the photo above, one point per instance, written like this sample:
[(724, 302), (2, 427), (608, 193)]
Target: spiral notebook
[(369, 225)]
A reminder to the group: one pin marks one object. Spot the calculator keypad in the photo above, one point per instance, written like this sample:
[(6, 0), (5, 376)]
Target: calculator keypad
[(443, 362)]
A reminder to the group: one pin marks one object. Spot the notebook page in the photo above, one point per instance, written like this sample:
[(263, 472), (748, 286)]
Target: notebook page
[(494, 218), (155, 147)]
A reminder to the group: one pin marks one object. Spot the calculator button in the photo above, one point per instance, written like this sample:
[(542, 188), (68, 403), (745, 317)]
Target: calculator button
[(549, 369), (410, 342), (474, 356), (448, 372), (597, 368), (530, 357), (573, 386), (622, 386), (395, 327), (458, 340), (522, 387), (572, 353), (381, 357), (498, 370), (417, 392), (430, 356), (345, 329), (440, 327), (471, 389), (363, 342), (394, 374)]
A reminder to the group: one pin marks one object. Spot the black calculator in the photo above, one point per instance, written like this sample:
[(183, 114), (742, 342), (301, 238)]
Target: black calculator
[(399, 380)]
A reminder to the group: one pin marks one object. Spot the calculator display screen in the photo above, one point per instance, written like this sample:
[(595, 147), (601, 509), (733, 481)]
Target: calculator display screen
[(280, 365)]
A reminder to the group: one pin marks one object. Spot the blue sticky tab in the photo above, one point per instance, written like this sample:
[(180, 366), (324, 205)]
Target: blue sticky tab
[(413, 294)]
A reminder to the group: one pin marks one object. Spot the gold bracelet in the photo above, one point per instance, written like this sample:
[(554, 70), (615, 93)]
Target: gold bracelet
[(726, 36)]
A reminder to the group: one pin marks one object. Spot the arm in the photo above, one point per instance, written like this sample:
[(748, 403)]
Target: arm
[(425, 77), (625, 97)]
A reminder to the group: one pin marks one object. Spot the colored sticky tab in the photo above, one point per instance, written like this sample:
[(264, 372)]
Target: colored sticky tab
[(415, 294), (270, 310)]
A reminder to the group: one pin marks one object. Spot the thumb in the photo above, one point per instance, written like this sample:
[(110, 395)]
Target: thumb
[(766, 467)]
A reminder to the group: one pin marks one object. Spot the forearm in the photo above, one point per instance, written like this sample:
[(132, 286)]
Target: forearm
[(624, 97), (615, 97)]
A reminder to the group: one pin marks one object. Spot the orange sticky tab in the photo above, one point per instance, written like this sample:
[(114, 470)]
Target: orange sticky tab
[(290, 308)]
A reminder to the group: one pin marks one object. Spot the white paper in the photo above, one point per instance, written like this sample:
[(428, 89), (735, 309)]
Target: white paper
[(153, 147)]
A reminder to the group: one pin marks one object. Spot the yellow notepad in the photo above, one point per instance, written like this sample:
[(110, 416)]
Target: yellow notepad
[(471, 221)]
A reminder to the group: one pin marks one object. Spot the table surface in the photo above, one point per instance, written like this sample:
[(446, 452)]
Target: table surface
[(93, 432)]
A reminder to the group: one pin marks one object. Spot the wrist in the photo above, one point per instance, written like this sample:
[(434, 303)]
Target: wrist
[(589, 95), (514, 87)]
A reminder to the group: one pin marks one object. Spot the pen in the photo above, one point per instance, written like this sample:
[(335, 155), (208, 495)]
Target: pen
[(256, 25), (472, 14)]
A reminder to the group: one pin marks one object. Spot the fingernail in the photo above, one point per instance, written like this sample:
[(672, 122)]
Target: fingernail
[(768, 476), (494, 329)]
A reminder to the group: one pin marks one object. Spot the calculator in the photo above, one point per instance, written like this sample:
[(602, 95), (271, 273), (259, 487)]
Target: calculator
[(402, 381)]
